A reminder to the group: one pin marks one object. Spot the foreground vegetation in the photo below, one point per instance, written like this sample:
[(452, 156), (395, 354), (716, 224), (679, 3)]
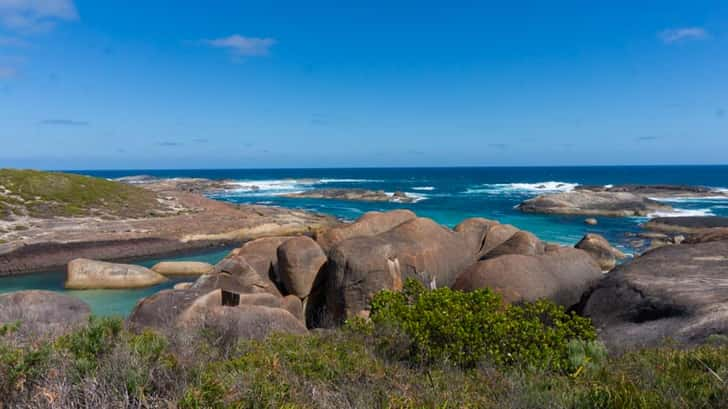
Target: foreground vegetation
[(407, 356), (50, 194)]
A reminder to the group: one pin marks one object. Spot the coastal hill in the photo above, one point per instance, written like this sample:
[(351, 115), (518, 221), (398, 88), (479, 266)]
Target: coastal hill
[(49, 218), (32, 193)]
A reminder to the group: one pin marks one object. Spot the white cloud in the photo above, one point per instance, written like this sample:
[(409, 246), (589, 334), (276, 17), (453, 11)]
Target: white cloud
[(241, 46), (676, 35), (29, 16)]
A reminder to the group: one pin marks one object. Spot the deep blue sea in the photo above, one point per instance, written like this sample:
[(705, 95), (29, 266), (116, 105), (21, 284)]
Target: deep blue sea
[(447, 195)]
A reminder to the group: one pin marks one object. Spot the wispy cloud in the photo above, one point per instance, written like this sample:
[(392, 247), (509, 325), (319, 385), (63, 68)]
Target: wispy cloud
[(240, 46), (63, 122), (200, 140), (29, 16), (678, 35)]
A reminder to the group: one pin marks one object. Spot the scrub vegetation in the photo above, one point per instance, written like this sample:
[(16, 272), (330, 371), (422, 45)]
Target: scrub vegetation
[(407, 356), (51, 194)]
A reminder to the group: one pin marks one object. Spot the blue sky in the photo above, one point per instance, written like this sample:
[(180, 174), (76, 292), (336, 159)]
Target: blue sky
[(234, 84)]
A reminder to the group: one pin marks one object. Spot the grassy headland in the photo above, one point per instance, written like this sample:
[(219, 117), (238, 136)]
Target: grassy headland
[(51, 194)]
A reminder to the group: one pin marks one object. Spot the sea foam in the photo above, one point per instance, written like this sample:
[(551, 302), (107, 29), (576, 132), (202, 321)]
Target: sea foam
[(539, 187)]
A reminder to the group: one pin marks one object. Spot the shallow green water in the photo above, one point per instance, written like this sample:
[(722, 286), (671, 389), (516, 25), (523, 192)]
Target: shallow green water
[(105, 302)]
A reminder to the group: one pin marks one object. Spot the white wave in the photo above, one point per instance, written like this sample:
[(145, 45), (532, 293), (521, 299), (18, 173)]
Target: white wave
[(416, 197), (692, 199), (428, 188), (682, 213), (347, 180), (541, 187)]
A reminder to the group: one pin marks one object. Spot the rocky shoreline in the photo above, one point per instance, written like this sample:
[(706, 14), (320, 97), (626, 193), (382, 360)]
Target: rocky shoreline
[(362, 195), (615, 201), (196, 223), (292, 283)]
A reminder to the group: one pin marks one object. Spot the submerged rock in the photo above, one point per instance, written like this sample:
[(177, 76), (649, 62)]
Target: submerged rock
[(92, 274)]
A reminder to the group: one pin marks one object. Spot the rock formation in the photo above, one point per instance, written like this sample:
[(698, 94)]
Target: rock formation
[(91, 274)]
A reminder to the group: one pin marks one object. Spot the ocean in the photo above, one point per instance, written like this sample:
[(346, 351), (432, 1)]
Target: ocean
[(447, 195)]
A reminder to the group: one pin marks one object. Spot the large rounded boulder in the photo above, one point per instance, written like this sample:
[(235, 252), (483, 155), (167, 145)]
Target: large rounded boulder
[(239, 316), (182, 268), (91, 274), (234, 273), (262, 254), (370, 224), (361, 266), (561, 275), (43, 312), (474, 230), (521, 242), (601, 251), (677, 292), (299, 262)]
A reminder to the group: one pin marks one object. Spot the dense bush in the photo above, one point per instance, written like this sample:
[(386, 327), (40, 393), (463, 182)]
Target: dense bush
[(102, 365), (466, 328)]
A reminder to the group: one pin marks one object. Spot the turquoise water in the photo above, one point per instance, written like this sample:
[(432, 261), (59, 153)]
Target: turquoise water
[(447, 195), (105, 302)]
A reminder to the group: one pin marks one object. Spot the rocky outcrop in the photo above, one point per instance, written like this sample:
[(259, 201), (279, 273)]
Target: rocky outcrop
[(187, 221), (592, 203), (615, 201), (91, 274), (561, 275), (521, 242), (232, 315), (299, 262), (370, 224), (659, 191), (688, 224), (42, 313), (362, 195), (600, 250), (361, 266), (680, 292), (262, 254), (235, 274), (182, 268), (475, 230)]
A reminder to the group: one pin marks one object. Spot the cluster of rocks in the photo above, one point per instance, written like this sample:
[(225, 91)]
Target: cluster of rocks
[(362, 195), (290, 284), (614, 201)]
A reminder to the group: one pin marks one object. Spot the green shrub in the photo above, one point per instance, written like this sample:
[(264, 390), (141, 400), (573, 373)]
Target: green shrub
[(20, 366), (465, 328), (87, 345)]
